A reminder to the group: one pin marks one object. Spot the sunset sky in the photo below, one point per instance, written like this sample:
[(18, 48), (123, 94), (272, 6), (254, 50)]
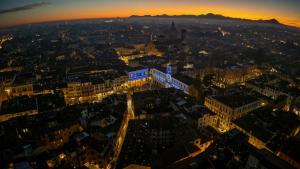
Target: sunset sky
[(14, 12)]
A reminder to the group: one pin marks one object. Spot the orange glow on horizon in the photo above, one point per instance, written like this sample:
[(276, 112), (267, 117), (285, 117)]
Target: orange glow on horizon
[(84, 13)]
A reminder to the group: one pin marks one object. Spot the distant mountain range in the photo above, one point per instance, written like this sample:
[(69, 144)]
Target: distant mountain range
[(213, 16)]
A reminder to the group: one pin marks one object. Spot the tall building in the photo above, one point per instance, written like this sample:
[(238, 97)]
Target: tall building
[(173, 32), (183, 34)]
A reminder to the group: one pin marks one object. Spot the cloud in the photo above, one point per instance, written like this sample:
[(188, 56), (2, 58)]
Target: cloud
[(25, 7)]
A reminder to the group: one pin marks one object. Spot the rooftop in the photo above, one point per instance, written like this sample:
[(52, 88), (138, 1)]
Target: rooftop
[(292, 148), (264, 124), (48, 102), (95, 77), (184, 79), (232, 150), (24, 78), (168, 100), (138, 147), (18, 104), (236, 100)]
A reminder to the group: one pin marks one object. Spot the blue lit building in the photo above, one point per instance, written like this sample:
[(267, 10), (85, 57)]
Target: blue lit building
[(160, 77), (170, 79), (138, 74)]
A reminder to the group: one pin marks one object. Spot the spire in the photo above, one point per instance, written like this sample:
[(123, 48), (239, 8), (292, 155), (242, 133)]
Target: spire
[(173, 28), (173, 32)]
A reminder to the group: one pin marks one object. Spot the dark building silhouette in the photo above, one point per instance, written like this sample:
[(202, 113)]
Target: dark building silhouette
[(173, 32), (183, 34)]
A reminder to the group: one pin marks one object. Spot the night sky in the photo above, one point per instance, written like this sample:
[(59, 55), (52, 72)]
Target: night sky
[(14, 12)]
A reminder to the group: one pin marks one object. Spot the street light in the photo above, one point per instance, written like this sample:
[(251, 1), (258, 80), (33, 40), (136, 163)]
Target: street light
[(7, 91)]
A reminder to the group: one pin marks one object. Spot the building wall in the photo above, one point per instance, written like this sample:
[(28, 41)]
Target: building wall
[(180, 85), (159, 77), (223, 113), (252, 140), (138, 74), (167, 81), (19, 90), (6, 117), (230, 113), (61, 136), (274, 94), (288, 159), (77, 92), (207, 120), (82, 92), (226, 114), (266, 91), (138, 51)]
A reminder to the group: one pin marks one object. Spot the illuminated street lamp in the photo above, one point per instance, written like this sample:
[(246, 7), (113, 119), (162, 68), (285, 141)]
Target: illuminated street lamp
[(8, 91)]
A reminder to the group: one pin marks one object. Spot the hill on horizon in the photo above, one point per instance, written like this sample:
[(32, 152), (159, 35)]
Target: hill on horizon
[(214, 16)]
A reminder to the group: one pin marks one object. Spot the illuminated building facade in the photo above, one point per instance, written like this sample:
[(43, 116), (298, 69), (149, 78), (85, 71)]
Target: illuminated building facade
[(228, 108), (169, 80), (138, 74), (138, 77), (274, 87), (99, 86), (19, 90), (20, 85), (82, 92), (137, 51), (265, 90)]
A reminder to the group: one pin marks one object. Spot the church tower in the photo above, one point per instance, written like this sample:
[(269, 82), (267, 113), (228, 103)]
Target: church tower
[(173, 32)]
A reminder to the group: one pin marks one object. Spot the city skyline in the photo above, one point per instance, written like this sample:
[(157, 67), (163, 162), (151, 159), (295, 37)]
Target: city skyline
[(198, 87), (25, 12)]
